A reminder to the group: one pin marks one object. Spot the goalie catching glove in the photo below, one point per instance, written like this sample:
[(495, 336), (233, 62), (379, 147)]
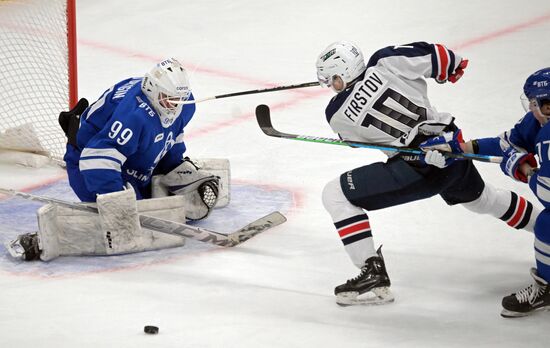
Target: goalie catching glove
[(199, 188)]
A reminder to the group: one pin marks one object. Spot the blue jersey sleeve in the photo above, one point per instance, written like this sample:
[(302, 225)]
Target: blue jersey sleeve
[(104, 154), (417, 59), (522, 137)]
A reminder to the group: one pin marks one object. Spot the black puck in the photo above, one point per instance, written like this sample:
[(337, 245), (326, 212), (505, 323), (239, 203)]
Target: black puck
[(152, 330)]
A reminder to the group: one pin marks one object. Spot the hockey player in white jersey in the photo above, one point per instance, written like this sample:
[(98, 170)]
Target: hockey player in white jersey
[(123, 149), (518, 146), (385, 102)]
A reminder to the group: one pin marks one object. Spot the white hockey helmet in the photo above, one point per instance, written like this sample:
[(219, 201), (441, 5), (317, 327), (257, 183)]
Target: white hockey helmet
[(166, 86), (342, 59)]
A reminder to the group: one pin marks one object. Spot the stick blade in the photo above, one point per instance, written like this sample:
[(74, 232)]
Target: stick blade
[(256, 227), (263, 116)]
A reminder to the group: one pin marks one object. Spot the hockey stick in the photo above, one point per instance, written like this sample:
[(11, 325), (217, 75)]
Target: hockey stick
[(176, 228), (263, 117), (253, 91)]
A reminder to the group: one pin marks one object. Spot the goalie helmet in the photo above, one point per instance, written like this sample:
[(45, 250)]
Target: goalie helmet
[(166, 86), (342, 59), (536, 90)]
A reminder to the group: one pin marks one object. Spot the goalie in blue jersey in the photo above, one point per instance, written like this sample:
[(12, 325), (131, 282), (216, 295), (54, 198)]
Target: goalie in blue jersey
[(126, 152)]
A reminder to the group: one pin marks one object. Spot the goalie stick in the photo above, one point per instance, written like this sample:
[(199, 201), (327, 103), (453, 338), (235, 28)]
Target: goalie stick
[(263, 116), (175, 228), (253, 91)]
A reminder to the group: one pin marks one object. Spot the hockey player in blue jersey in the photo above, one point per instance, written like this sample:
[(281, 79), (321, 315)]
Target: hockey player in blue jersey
[(134, 131), (122, 149), (518, 146), (385, 102)]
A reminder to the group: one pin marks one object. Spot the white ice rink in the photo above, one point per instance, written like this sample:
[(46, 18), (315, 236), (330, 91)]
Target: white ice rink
[(449, 267)]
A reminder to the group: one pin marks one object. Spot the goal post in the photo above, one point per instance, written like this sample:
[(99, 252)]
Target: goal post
[(38, 74)]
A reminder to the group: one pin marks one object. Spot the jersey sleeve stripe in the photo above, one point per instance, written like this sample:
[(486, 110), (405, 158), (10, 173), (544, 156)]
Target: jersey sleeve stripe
[(99, 163), (443, 61), (109, 152), (98, 104)]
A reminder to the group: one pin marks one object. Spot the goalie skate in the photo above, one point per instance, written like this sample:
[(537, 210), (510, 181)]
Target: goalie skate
[(371, 286), (24, 247)]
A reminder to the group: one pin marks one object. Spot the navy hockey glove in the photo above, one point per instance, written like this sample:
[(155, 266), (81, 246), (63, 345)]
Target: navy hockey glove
[(512, 161), (459, 71), (448, 142)]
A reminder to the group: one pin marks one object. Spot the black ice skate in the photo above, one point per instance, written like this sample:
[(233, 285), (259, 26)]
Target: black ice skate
[(526, 301), (373, 281), (25, 247)]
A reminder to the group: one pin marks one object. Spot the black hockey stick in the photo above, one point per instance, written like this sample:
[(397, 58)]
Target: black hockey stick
[(176, 228), (263, 116), (253, 91)]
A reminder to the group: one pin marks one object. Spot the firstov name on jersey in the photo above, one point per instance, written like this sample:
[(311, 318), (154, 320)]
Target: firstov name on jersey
[(369, 86)]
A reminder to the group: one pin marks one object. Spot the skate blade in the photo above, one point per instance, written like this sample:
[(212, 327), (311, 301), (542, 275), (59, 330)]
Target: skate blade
[(510, 314), (376, 296), (15, 249)]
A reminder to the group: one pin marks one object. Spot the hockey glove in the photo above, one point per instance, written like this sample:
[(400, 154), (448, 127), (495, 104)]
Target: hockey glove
[(436, 158), (448, 142), (512, 161), (459, 71)]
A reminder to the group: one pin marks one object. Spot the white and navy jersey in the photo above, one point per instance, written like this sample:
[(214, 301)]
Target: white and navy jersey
[(389, 103), (121, 139)]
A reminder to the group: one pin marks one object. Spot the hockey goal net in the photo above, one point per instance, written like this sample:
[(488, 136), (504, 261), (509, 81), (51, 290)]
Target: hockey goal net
[(37, 74)]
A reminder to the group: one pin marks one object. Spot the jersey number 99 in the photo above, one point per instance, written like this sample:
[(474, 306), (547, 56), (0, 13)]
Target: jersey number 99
[(122, 136)]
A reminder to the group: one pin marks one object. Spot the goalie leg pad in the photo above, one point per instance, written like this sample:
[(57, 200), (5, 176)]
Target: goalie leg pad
[(70, 232), (118, 216)]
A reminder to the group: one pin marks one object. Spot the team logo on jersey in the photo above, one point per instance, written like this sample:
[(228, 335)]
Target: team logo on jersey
[(159, 137)]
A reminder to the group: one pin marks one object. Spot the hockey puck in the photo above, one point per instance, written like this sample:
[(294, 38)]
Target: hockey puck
[(152, 330)]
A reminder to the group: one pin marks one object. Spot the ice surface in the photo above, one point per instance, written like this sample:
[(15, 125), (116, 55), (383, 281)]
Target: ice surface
[(449, 267)]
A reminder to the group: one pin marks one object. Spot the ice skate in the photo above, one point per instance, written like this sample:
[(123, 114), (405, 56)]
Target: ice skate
[(526, 301), (25, 247), (371, 286)]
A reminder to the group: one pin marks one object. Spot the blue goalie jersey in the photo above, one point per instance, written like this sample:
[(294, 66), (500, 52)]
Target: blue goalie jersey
[(121, 140)]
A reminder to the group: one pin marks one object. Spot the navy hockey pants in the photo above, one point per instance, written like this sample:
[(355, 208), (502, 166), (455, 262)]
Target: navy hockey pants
[(380, 185)]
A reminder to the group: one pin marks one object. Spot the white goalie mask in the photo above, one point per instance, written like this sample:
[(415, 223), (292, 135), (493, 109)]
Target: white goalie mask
[(342, 59), (166, 86)]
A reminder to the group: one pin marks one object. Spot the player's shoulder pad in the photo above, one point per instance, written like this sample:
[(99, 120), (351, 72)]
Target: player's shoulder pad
[(414, 49)]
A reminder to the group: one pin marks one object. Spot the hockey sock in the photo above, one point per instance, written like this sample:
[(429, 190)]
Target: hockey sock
[(507, 206), (356, 236), (351, 222)]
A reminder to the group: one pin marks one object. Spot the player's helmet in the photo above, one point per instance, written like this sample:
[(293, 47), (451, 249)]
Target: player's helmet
[(166, 86), (342, 59), (537, 88)]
